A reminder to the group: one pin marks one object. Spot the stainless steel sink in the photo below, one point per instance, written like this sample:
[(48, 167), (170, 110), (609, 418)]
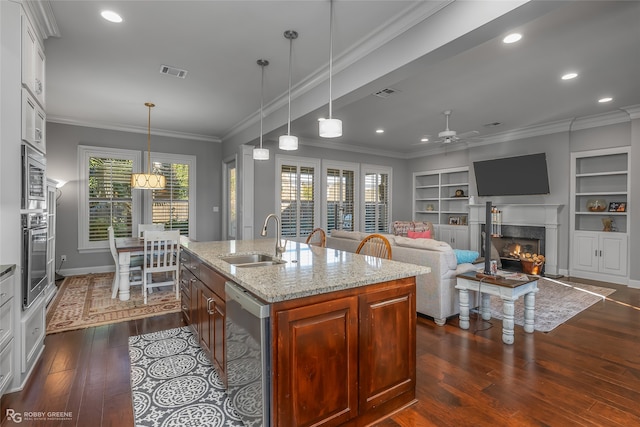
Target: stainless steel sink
[(259, 264), (252, 260)]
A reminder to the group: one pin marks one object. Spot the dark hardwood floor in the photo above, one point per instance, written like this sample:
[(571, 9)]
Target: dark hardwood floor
[(585, 372)]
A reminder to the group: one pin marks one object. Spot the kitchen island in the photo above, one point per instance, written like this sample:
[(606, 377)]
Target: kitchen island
[(341, 331)]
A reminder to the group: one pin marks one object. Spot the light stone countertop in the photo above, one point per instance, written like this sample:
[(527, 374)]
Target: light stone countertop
[(309, 270)]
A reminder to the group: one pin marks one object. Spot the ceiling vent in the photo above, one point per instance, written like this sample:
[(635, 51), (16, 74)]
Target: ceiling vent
[(385, 93), (173, 71)]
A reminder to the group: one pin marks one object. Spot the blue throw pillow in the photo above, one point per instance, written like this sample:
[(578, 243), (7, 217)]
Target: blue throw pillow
[(465, 256)]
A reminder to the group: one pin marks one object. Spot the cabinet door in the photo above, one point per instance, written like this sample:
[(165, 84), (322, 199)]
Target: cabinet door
[(205, 320), (387, 345), (613, 254), (317, 363), (585, 252), (219, 351), (29, 42)]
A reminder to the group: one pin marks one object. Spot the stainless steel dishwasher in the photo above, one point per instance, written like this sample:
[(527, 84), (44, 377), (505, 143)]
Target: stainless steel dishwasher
[(248, 347)]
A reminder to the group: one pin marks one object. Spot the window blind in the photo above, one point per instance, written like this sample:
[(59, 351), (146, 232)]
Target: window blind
[(340, 195), (170, 205), (376, 198), (297, 200)]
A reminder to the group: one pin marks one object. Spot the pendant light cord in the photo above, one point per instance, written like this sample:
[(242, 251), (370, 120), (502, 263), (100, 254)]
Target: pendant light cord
[(330, 57), (289, 115), (261, 102), (150, 105)]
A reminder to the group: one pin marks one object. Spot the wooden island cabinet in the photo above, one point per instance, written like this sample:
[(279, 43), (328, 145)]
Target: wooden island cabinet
[(342, 341)]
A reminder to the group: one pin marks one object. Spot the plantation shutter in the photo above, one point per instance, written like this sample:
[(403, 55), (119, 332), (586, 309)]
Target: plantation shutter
[(170, 205), (297, 200), (376, 199), (110, 199), (340, 194)]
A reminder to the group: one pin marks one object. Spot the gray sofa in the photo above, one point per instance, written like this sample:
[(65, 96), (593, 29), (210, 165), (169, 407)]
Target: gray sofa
[(436, 293)]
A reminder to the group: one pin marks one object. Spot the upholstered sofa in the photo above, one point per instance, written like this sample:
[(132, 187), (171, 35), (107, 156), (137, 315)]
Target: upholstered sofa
[(436, 293)]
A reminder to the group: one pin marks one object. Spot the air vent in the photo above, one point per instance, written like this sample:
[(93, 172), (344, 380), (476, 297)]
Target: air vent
[(173, 71), (385, 93), (492, 125)]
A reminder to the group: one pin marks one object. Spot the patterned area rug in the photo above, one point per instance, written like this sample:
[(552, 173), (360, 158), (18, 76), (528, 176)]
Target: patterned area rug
[(556, 302), (174, 384), (85, 301)]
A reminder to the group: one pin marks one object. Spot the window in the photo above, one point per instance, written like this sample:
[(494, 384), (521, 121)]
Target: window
[(376, 198), (106, 198), (173, 205), (341, 192), (231, 202), (297, 190)]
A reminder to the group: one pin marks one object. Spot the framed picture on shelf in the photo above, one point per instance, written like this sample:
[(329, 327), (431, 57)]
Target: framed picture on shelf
[(618, 207), (454, 220), (463, 220)]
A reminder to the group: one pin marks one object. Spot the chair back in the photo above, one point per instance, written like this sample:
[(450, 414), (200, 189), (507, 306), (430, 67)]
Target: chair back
[(153, 227), (317, 238), (375, 245), (161, 250)]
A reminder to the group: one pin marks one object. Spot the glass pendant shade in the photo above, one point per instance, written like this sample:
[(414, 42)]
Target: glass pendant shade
[(148, 181), (288, 142), (260, 153), (330, 128)]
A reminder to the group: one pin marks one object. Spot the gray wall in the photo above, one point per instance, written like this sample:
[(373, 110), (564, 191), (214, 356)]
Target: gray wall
[(62, 143)]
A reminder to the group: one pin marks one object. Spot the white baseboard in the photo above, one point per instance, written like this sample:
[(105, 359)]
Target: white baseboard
[(635, 284), (87, 270)]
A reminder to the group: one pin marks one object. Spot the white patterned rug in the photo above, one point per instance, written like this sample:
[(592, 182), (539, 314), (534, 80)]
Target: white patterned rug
[(556, 302), (174, 384)]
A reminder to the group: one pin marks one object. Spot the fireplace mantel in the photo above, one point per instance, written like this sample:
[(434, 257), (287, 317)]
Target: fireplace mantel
[(541, 215)]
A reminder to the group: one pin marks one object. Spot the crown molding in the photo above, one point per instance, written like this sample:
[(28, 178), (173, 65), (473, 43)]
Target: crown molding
[(345, 146), (42, 17), (597, 120), (133, 129), (633, 111)]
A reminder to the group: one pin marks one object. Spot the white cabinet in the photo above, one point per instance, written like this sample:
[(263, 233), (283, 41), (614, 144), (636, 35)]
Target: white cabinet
[(33, 62), (7, 307), (455, 235), (33, 331), (604, 253), (33, 122), (599, 214)]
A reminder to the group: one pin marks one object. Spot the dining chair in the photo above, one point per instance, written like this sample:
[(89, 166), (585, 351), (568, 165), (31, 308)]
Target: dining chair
[(317, 238), (375, 245), (135, 269), (161, 255), (144, 227)]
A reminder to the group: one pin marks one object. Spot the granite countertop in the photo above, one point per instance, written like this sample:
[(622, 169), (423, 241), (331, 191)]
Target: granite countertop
[(6, 269), (309, 270)]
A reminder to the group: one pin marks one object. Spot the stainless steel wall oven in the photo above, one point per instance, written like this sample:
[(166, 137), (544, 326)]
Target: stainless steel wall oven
[(34, 179), (34, 256)]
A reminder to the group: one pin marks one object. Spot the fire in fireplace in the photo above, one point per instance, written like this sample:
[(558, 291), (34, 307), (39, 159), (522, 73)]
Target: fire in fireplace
[(517, 240)]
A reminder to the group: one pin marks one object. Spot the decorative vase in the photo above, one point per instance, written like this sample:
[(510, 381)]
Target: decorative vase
[(607, 224), (596, 205)]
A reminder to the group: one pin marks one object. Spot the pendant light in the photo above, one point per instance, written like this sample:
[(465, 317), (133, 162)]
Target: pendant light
[(330, 128), (148, 181), (261, 153), (289, 142)]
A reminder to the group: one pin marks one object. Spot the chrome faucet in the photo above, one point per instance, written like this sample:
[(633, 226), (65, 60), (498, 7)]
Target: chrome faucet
[(279, 248)]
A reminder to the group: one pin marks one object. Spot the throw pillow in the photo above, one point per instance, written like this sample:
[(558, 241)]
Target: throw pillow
[(464, 256), (419, 234)]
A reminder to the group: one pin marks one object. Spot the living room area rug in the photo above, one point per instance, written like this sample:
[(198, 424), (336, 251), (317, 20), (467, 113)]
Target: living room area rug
[(174, 384), (556, 302), (85, 301)]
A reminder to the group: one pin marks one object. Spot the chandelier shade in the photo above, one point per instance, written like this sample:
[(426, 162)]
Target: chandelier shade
[(330, 128), (148, 181)]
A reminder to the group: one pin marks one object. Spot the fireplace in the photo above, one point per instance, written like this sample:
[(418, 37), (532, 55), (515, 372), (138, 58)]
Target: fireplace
[(539, 216), (516, 240)]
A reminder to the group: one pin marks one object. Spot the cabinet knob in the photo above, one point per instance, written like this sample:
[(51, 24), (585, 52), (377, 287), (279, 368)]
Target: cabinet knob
[(35, 331), (3, 294)]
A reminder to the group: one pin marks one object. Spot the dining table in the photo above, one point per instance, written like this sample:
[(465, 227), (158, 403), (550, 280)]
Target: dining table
[(126, 248)]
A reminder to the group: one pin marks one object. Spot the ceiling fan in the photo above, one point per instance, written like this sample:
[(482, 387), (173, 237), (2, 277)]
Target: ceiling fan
[(448, 136)]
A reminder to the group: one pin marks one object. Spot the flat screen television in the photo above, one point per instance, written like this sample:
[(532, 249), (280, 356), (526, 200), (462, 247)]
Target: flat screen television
[(512, 176)]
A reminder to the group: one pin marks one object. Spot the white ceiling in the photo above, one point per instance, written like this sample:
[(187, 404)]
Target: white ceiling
[(101, 74)]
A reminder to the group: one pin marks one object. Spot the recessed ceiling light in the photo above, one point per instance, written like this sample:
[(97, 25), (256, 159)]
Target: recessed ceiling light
[(512, 38), (425, 139), (605, 99), (569, 76), (111, 16), (379, 130)]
